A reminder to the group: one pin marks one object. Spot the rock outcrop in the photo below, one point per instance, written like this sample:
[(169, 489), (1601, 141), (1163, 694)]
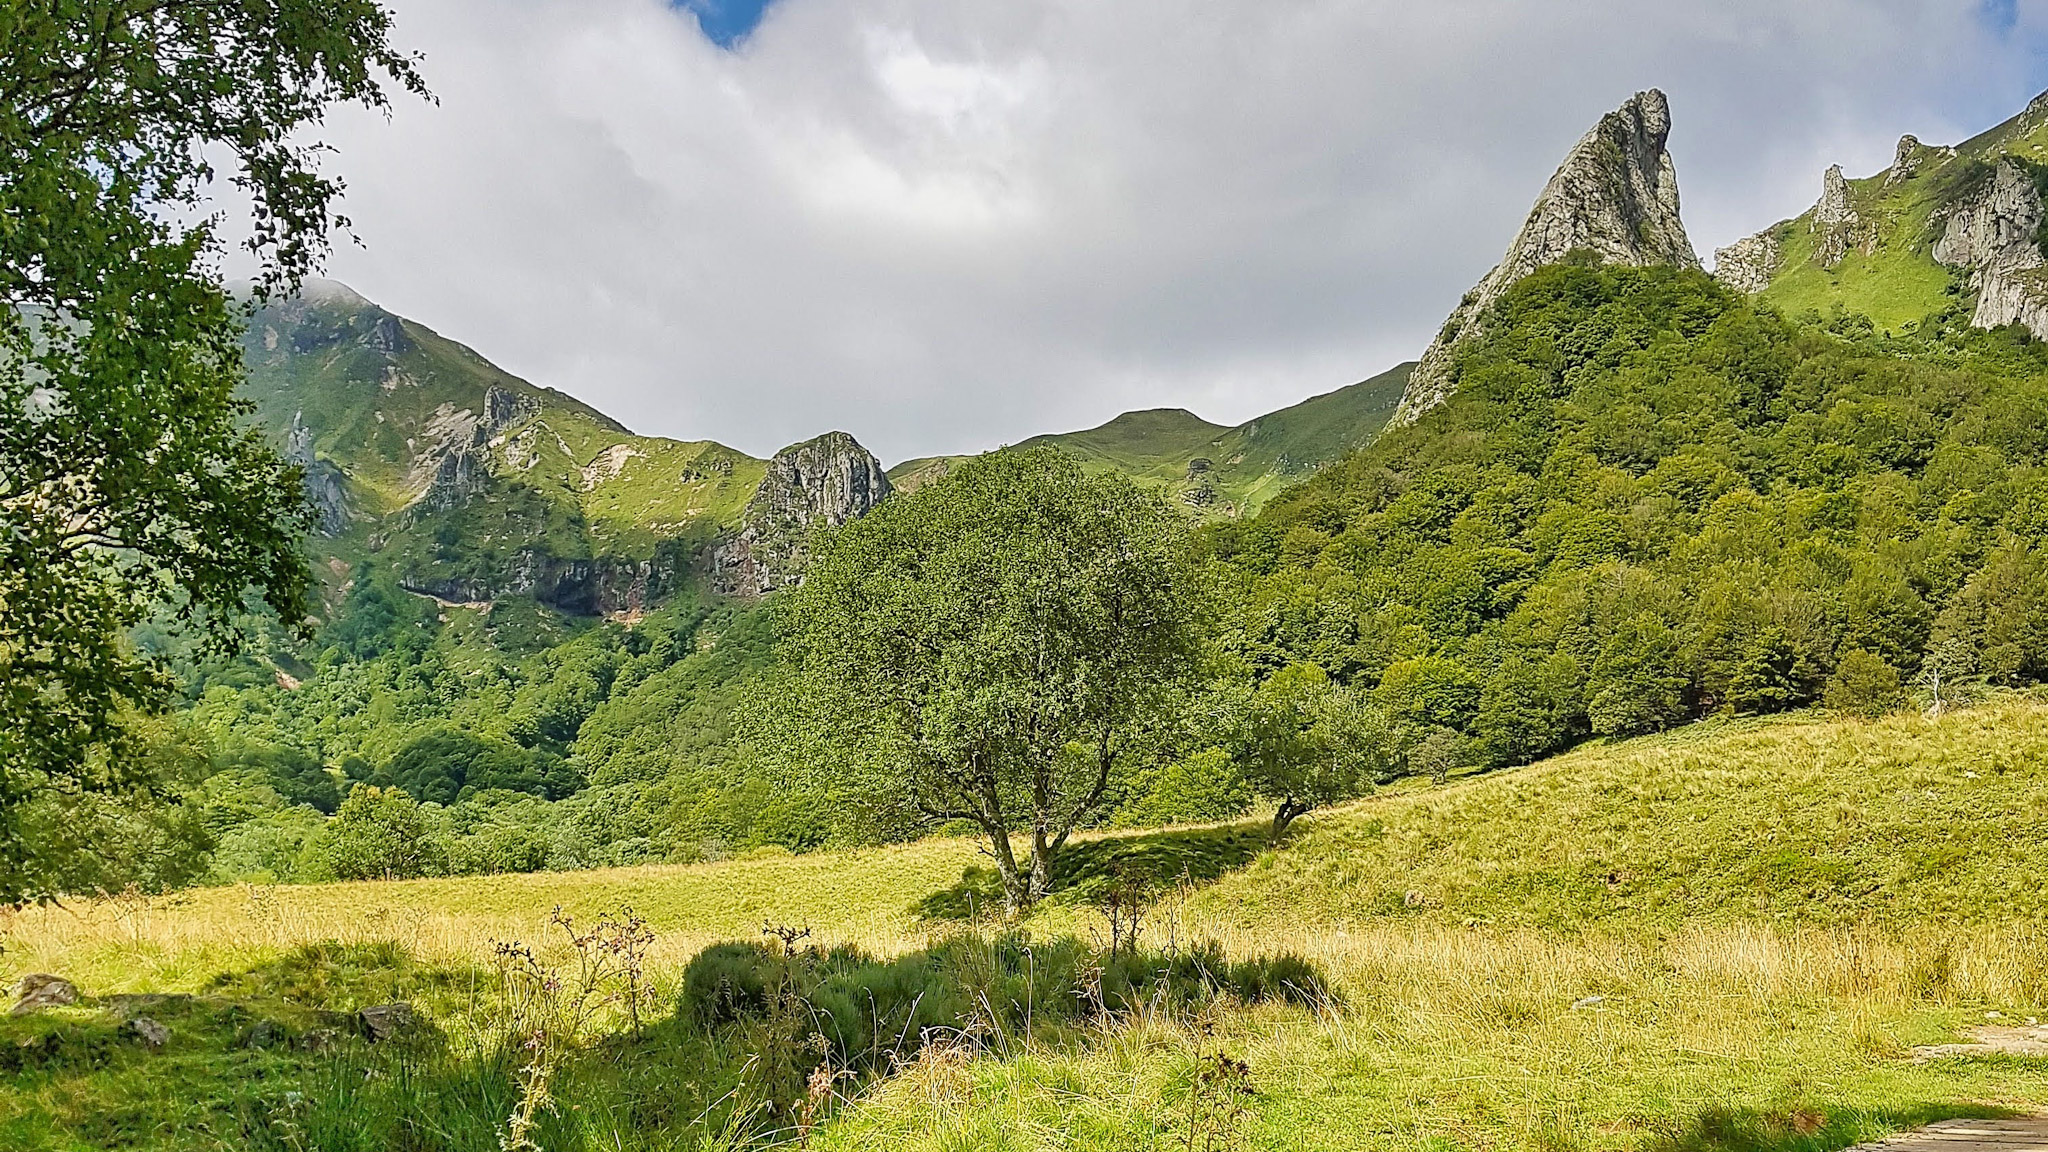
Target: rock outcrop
[(457, 463), (1615, 198), (1834, 221), (39, 990), (1748, 264), (325, 483), (1993, 233), (822, 482)]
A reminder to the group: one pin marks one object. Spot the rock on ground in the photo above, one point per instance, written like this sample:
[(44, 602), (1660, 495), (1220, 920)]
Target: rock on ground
[(40, 990)]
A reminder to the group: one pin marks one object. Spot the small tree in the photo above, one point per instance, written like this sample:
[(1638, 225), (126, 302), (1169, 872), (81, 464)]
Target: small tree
[(1864, 684), (996, 647), (381, 834), (1306, 743)]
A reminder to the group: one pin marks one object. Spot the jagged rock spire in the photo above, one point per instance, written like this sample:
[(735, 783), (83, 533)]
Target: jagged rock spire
[(1615, 197)]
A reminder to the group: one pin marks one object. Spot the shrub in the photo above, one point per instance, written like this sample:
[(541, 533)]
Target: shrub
[(1864, 684)]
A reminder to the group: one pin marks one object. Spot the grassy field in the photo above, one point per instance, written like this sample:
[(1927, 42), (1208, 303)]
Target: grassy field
[(1728, 937)]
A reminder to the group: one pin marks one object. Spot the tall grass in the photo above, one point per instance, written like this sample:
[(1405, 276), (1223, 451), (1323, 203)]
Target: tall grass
[(1730, 937)]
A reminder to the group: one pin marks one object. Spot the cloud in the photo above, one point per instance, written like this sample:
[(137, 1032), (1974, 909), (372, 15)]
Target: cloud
[(942, 225)]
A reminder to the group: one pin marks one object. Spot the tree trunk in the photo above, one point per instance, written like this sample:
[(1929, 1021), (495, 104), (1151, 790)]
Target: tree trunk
[(1017, 884), (1284, 815)]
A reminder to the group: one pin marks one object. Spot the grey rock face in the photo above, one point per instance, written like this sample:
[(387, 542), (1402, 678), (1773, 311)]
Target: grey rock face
[(326, 484), (40, 990), (1833, 219), (1615, 197), (822, 482), (1905, 160), (1992, 233), (459, 457), (1748, 264)]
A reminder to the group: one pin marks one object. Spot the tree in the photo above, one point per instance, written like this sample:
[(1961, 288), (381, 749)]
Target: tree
[(1306, 743), (381, 834), (127, 474), (1864, 684), (996, 647)]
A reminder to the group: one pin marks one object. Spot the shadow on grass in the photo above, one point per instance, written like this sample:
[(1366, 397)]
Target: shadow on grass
[(1818, 1128), (1156, 859)]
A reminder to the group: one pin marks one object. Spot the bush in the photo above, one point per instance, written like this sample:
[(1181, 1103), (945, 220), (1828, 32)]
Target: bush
[(1864, 684), (381, 834)]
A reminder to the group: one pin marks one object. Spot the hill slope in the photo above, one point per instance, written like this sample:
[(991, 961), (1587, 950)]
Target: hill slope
[(1945, 228), (473, 484), (1225, 471), (1610, 950)]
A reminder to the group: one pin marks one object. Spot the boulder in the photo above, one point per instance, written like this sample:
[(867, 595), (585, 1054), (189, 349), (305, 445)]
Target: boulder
[(152, 1034), (382, 1022), (40, 990)]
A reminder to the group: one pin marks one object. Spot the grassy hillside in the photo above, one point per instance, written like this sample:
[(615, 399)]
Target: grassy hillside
[(1888, 272), (1225, 471), (1724, 937), (383, 397)]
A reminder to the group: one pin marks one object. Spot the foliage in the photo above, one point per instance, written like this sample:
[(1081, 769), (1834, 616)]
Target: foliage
[(1864, 685), (126, 475), (997, 647), (1652, 500), (1305, 743), (380, 833)]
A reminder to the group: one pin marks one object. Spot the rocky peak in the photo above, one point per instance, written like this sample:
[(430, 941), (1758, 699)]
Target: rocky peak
[(826, 482), (1615, 197), (1833, 219), (1905, 160)]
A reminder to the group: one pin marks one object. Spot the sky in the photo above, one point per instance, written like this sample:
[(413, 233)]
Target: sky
[(946, 225)]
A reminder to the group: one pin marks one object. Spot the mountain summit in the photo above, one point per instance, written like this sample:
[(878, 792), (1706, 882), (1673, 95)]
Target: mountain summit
[(1614, 197)]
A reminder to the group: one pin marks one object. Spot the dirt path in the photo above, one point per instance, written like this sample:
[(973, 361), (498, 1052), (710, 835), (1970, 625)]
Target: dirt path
[(2028, 1134)]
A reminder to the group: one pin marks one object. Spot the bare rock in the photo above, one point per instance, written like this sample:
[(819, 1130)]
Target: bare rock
[(1905, 160), (1615, 198), (1993, 233), (1834, 221), (823, 482), (152, 1034), (39, 990), (382, 1022), (1748, 264)]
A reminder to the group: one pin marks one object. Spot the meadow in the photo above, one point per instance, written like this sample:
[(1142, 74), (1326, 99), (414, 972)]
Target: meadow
[(1731, 936)]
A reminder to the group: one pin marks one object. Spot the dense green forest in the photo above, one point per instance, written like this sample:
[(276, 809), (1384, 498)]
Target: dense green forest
[(1651, 500)]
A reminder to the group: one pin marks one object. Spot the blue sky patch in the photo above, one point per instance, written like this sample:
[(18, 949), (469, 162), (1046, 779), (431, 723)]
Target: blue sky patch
[(725, 22), (2000, 14)]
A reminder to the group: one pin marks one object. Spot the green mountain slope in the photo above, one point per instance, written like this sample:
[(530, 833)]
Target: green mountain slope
[(1225, 471), (1939, 230), (385, 401)]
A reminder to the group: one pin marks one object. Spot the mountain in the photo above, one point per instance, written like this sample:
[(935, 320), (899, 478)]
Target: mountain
[(1614, 200), (1948, 228), (1221, 470), (472, 484)]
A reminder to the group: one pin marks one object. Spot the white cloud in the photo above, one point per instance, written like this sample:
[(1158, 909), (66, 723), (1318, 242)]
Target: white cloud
[(947, 224)]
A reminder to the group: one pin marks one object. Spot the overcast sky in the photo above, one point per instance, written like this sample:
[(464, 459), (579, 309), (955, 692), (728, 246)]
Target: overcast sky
[(944, 225)]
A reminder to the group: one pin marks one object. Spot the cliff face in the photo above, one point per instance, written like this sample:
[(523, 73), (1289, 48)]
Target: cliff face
[(1614, 197), (821, 482)]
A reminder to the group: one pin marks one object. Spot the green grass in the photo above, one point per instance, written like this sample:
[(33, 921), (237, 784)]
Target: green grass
[(1770, 914)]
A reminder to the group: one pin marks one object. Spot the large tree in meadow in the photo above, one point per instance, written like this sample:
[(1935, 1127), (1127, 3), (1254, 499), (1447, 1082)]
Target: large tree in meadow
[(996, 647), (129, 478)]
